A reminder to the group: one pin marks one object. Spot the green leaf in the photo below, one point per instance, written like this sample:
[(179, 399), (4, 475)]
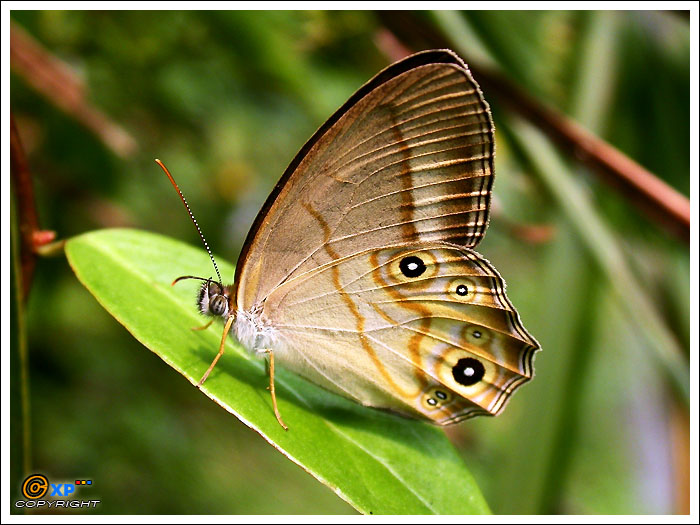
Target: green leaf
[(377, 462)]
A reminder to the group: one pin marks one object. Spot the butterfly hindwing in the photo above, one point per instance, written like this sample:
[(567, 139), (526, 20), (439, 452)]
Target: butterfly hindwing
[(428, 331)]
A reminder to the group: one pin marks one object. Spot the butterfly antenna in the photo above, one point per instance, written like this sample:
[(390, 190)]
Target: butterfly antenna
[(184, 201)]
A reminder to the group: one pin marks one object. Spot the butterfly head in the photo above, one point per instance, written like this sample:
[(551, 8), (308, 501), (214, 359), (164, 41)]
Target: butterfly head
[(214, 299)]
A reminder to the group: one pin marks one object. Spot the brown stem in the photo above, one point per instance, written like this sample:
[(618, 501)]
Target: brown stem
[(26, 210), (660, 202)]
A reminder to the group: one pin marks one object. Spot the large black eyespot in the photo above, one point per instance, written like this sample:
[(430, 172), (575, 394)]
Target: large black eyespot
[(412, 266), (468, 371), (462, 290), (218, 305)]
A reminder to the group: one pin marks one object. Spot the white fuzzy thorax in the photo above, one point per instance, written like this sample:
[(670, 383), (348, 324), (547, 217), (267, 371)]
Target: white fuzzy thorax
[(253, 332)]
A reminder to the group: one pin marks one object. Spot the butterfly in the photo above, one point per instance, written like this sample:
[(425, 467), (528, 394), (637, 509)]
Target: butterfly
[(359, 273)]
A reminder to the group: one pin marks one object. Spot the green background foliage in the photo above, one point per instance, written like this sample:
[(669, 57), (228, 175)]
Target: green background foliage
[(226, 99)]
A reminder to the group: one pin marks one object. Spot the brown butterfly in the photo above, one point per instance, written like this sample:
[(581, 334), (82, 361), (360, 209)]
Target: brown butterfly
[(359, 272)]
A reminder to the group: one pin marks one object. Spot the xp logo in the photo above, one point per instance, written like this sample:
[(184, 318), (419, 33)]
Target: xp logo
[(62, 489), (35, 486)]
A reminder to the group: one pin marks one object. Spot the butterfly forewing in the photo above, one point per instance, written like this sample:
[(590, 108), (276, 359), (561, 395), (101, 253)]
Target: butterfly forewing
[(409, 160)]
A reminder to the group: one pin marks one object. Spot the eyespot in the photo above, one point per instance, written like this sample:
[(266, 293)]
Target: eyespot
[(412, 266), (462, 289), (476, 335), (468, 371), (436, 397), (218, 305)]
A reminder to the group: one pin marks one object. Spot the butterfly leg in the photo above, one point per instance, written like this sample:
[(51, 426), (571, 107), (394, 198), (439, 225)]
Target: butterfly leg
[(272, 388), (229, 322), (203, 327)]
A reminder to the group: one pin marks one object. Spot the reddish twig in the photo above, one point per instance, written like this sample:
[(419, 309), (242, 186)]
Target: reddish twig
[(53, 78), (31, 235), (652, 196)]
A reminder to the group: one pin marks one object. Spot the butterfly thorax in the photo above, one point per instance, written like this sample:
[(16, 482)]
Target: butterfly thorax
[(254, 332)]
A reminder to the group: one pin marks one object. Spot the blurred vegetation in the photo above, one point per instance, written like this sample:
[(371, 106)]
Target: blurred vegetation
[(226, 99)]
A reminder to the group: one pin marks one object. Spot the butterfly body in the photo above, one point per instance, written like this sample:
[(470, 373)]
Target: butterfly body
[(359, 272)]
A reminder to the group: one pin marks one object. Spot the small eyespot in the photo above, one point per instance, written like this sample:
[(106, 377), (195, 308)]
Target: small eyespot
[(462, 289), (476, 335), (412, 266), (435, 398), (468, 371)]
